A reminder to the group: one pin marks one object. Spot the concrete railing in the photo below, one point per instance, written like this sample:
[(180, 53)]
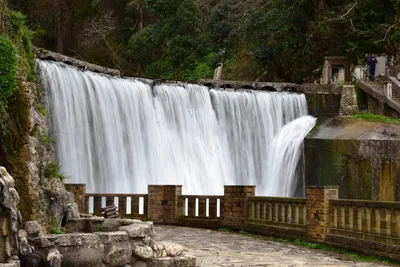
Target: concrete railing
[(366, 226), (204, 211), (373, 226), (286, 216)]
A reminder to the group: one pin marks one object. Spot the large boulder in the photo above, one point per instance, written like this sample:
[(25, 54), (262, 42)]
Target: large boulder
[(32, 228)]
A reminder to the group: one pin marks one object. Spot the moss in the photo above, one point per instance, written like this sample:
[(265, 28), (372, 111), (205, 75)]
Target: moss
[(41, 109), (8, 69), (376, 118)]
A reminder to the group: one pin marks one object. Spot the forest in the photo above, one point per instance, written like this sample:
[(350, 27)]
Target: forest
[(265, 40)]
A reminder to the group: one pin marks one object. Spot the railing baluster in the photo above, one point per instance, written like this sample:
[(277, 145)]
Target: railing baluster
[(257, 215), (212, 208), (97, 205), (135, 206), (122, 205), (191, 207), (202, 207)]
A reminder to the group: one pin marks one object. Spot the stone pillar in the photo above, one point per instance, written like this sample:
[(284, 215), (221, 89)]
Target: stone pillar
[(235, 205), (162, 205), (79, 190), (318, 211), (348, 101)]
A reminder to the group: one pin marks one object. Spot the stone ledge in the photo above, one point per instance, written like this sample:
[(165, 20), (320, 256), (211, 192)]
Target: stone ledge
[(48, 55)]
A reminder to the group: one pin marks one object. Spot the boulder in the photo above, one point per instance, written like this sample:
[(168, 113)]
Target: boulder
[(172, 249), (140, 264), (22, 234), (185, 261), (118, 254), (32, 228), (54, 257), (72, 211), (142, 252)]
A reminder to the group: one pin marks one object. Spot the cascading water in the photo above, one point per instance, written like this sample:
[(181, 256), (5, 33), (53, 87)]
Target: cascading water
[(119, 135)]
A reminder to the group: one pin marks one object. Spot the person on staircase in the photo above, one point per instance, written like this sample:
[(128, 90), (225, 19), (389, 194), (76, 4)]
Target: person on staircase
[(372, 61)]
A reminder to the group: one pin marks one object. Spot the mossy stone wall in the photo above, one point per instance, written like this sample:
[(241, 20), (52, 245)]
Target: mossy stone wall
[(363, 169)]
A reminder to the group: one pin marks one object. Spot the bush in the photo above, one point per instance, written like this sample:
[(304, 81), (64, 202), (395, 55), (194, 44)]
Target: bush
[(8, 69)]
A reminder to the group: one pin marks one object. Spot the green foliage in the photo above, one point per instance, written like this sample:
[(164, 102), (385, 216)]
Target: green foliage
[(226, 230), (8, 69), (52, 170), (42, 109), (376, 118), (55, 230)]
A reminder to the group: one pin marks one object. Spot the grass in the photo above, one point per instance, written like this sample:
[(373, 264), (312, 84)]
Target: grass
[(56, 230), (376, 118), (349, 255), (52, 170)]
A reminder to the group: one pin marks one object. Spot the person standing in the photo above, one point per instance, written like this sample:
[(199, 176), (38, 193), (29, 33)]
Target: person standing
[(372, 61)]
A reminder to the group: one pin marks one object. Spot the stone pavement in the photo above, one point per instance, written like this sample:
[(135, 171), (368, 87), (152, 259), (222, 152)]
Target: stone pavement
[(216, 248)]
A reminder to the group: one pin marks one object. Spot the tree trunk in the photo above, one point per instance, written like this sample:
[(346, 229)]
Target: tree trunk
[(60, 35), (141, 15), (2, 9)]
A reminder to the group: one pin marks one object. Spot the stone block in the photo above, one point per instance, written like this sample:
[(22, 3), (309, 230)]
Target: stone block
[(65, 240), (118, 254), (81, 257), (112, 237)]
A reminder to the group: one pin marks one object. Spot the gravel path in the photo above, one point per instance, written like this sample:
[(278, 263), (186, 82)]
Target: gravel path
[(216, 248)]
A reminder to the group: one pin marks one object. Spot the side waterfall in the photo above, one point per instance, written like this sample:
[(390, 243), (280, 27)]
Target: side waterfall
[(119, 135)]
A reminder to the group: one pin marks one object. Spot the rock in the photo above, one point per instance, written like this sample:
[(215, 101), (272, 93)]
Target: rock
[(138, 230), (72, 211), (24, 247), (163, 262), (22, 234), (140, 264), (82, 257), (143, 252), (7, 178), (172, 249), (35, 259), (118, 254), (32, 228), (54, 257), (185, 261), (147, 241)]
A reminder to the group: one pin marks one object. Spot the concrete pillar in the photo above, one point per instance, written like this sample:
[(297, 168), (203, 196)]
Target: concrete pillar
[(79, 190), (163, 203), (318, 211), (235, 204)]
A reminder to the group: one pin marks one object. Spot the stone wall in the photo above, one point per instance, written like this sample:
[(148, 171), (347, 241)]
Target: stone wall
[(348, 102), (323, 100), (100, 242)]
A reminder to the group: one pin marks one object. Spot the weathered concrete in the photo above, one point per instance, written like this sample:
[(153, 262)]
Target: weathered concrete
[(215, 248), (362, 157), (266, 86)]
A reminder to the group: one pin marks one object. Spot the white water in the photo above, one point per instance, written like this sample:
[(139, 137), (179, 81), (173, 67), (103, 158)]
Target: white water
[(119, 135)]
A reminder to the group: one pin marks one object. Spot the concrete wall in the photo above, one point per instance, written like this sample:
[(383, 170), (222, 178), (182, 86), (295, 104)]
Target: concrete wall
[(363, 158)]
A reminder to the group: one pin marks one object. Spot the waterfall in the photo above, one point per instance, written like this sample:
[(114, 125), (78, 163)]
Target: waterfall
[(119, 135)]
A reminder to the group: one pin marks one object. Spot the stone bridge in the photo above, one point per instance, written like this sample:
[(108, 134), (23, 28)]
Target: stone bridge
[(235, 85)]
